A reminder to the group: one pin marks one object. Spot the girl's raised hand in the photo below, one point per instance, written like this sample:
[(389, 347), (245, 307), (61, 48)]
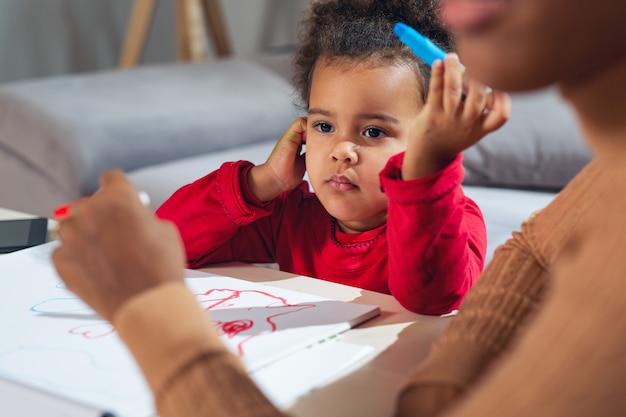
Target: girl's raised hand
[(451, 121), (284, 168)]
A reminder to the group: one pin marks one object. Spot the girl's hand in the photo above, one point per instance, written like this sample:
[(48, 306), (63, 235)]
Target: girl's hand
[(285, 167), (449, 123)]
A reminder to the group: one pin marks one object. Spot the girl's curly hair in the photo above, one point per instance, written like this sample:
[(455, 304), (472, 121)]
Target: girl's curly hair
[(363, 30)]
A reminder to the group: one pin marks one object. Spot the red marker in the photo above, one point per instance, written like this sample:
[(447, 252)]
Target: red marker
[(63, 211)]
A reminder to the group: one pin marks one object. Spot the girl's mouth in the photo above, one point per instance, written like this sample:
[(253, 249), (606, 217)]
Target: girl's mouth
[(340, 183)]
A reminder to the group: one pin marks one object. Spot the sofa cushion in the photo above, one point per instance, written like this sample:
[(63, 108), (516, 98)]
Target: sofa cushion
[(504, 210), (69, 129), (161, 180), (540, 147)]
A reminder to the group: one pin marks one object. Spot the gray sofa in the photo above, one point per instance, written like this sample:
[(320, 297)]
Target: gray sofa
[(166, 125)]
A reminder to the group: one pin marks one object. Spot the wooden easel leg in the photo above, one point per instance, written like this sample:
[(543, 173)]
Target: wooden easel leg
[(183, 52), (190, 42), (137, 29), (217, 27), (196, 31)]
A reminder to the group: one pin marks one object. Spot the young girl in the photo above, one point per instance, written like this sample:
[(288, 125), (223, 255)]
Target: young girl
[(388, 213)]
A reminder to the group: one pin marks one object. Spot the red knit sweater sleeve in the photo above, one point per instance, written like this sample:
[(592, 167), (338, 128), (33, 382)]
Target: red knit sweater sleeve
[(436, 238), (211, 214)]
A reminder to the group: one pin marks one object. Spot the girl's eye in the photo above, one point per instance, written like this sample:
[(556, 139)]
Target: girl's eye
[(324, 127), (373, 132)]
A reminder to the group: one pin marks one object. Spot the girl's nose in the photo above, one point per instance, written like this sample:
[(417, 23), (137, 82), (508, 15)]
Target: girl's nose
[(345, 151)]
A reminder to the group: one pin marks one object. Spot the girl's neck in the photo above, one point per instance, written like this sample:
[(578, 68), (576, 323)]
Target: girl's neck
[(600, 104)]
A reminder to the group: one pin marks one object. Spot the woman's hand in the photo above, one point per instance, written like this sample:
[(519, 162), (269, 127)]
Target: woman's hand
[(113, 247), (284, 168), (451, 122)]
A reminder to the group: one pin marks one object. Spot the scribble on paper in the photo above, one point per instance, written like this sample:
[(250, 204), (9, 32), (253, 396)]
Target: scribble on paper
[(246, 313)]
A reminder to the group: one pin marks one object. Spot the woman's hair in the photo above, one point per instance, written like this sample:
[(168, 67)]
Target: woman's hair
[(363, 30)]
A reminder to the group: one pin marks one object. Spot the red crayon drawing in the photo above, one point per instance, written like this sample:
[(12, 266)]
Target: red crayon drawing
[(253, 312), (247, 314)]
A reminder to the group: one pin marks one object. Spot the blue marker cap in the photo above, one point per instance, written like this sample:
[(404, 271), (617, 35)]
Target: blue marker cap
[(423, 47)]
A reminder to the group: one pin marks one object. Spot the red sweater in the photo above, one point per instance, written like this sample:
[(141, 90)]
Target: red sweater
[(428, 255)]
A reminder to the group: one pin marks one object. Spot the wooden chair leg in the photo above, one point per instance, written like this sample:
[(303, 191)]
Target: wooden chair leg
[(217, 27), (137, 29)]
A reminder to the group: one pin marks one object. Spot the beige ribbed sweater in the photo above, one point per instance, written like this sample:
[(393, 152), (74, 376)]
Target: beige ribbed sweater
[(548, 311)]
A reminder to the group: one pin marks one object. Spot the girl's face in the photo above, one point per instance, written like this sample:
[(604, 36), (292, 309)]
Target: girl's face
[(359, 116)]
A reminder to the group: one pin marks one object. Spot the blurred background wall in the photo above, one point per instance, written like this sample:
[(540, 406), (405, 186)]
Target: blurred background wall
[(40, 38)]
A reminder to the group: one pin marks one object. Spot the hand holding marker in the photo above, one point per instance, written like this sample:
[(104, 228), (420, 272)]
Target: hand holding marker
[(428, 52)]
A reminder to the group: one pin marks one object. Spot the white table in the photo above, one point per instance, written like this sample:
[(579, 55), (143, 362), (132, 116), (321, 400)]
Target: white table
[(6, 214), (401, 341)]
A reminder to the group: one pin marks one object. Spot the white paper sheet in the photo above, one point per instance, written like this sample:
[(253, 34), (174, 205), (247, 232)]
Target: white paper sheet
[(55, 343)]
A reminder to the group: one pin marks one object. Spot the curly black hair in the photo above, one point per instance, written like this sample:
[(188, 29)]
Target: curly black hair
[(363, 30)]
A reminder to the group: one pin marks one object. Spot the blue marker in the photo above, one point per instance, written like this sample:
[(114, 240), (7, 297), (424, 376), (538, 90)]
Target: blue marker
[(423, 47), (427, 51)]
